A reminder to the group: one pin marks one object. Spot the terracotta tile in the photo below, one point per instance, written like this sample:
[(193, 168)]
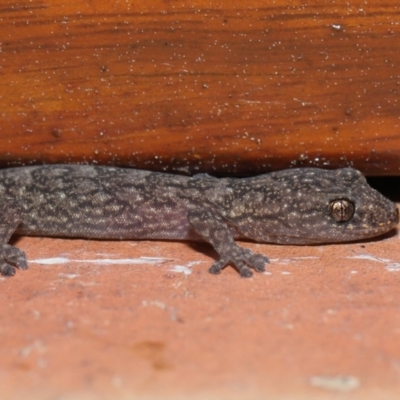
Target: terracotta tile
[(124, 320)]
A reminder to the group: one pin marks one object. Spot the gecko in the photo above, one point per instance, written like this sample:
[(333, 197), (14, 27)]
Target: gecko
[(295, 206)]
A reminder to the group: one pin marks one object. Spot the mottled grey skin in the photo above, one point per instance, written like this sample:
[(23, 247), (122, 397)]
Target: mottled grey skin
[(298, 206)]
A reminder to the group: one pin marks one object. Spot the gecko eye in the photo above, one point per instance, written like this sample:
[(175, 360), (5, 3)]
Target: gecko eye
[(341, 210)]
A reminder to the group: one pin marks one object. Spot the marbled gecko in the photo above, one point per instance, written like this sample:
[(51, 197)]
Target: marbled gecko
[(296, 206)]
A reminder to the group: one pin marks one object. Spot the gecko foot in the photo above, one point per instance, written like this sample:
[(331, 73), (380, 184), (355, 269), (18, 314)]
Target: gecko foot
[(242, 259), (11, 258)]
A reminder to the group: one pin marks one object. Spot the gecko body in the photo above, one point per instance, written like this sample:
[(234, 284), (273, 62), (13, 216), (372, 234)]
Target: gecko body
[(297, 206)]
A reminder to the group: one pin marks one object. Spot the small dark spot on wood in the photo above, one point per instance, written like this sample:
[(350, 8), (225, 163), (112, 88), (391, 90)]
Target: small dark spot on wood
[(103, 68), (166, 44), (56, 132), (348, 112)]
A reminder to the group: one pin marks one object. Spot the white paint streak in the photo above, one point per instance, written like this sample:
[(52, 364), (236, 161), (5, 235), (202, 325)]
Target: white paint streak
[(390, 265), (307, 258), (101, 261), (286, 261), (340, 383), (182, 269), (393, 267), (185, 269), (50, 261), (368, 257), (68, 276)]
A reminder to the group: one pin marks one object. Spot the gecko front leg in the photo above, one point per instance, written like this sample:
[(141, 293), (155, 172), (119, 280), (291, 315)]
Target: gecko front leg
[(213, 228), (10, 257)]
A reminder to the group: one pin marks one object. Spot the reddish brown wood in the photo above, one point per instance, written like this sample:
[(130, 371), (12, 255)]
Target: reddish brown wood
[(226, 87)]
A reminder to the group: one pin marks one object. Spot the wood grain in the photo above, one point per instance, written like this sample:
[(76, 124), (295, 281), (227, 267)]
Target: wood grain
[(225, 87)]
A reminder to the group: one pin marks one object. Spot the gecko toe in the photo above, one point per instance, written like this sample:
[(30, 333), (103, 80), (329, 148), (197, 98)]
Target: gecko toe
[(259, 268), (254, 260), (7, 270), (245, 272), (12, 255), (243, 260), (258, 262), (216, 268)]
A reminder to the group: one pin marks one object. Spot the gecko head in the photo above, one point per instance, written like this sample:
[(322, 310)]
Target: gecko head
[(327, 206)]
